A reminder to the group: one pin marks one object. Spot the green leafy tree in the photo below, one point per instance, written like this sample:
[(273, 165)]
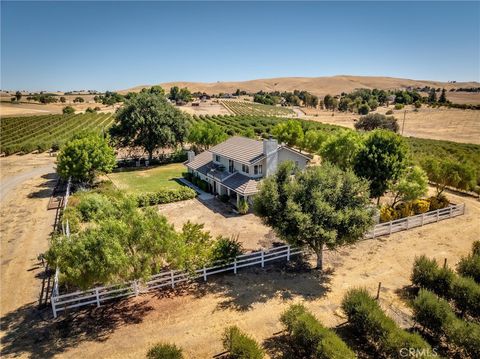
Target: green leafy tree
[(341, 149), (63, 99), (313, 140), (84, 156), (289, 132), (381, 160), (412, 184), (319, 206), (432, 96), (376, 120), (78, 99), (150, 122), (443, 97), (18, 96), (67, 110), (206, 134), (363, 109), (329, 102), (446, 172)]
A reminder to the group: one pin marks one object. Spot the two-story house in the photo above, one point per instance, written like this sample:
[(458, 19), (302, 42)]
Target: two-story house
[(235, 166)]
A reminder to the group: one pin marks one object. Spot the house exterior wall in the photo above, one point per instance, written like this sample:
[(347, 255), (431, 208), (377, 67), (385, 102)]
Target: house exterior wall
[(286, 155)]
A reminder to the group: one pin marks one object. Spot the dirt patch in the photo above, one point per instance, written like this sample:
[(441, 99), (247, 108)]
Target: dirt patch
[(208, 107), (220, 220)]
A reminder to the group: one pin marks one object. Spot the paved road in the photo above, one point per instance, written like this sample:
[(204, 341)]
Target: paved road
[(7, 185)]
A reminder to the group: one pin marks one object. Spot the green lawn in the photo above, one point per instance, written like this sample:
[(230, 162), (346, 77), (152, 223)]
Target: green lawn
[(149, 180)]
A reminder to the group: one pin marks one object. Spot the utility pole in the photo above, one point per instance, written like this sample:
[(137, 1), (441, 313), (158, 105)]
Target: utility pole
[(403, 124)]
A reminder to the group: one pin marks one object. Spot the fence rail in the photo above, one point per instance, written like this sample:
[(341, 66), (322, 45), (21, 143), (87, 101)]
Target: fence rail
[(419, 220), (98, 295)]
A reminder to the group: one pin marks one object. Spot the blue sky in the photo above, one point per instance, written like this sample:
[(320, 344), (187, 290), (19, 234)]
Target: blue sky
[(117, 45)]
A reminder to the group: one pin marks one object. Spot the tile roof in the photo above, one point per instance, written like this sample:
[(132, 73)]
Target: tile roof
[(202, 162), (240, 149), (241, 184)]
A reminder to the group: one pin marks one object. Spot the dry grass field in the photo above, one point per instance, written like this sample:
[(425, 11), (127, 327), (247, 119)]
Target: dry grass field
[(319, 86), (434, 123)]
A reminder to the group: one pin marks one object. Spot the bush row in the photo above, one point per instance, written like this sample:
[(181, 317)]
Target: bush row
[(469, 266), (463, 291), (241, 345), (165, 196), (411, 208), (203, 185), (366, 316), (435, 314), (311, 339)]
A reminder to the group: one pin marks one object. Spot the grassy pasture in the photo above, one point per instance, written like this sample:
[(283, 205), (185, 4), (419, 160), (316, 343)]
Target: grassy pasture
[(151, 179)]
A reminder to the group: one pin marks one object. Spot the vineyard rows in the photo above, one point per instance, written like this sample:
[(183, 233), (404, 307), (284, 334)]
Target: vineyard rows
[(251, 108), (27, 134)]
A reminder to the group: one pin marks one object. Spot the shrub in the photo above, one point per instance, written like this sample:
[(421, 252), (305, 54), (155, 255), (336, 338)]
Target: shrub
[(438, 202), (399, 106), (243, 206), (94, 206), (420, 206), (226, 249), (470, 267), (240, 345), (436, 315), (376, 120), (73, 216), (165, 351), (311, 338), (464, 292), (476, 248), (90, 110), (67, 110), (368, 319), (187, 175), (404, 209), (417, 104), (165, 196), (224, 198), (389, 112), (387, 214)]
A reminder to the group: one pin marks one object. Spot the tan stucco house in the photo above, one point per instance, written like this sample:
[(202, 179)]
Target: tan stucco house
[(235, 166)]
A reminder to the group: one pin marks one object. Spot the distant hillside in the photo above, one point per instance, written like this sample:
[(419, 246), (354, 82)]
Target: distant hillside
[(319, 86)]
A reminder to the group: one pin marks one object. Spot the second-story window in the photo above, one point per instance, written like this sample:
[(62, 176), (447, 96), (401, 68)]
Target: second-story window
[(245, 169), (257, 169), (230, 166), (217, 158)]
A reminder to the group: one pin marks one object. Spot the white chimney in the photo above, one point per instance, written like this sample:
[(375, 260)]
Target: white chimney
[(190, 156), (269, 146)]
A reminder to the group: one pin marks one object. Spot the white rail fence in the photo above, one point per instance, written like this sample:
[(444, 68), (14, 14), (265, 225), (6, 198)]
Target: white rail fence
[(419, 220), (98, 295)]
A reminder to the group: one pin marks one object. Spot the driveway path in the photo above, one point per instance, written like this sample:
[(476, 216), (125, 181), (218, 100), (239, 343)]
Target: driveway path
[(10, 183)]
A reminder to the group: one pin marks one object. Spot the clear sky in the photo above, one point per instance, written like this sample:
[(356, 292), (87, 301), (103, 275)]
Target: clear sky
[(117, 45)]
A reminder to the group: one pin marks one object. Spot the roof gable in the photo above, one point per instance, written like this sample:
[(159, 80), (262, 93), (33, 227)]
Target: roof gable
[(240, 149)]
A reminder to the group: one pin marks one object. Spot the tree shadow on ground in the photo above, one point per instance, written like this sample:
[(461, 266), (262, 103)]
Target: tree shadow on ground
[(45, 189), (259, 285), (217, 206), (33, 332)]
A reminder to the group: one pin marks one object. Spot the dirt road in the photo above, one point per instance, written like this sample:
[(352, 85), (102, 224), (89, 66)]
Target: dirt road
[(26, 185)]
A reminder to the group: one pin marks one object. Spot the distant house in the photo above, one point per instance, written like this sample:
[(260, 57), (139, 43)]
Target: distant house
[(235, 166)]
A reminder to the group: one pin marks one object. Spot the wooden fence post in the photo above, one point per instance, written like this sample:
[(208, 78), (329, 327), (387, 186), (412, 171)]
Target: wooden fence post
[(378, 290), (408, 223), (204, 274), (438, 214), (450, 213), (288, 253), (263, 260), (97, 297), (423, 217), (135, 287), (172, 279), (390, 227), (54, 308), (235, 266), (463, 210), (445, 263), (373, 234)]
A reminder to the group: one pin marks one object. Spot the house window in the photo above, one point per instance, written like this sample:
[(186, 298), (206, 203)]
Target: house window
[(217, 158), (245, 169), (257, 169), (230, 166)]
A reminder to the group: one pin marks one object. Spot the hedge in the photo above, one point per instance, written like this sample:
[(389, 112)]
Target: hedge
[(165, 196), (369, 320), (411, 208), (463, 291), (469, 266), (435, 314), (240, 345), (165, 351), (311, 338)]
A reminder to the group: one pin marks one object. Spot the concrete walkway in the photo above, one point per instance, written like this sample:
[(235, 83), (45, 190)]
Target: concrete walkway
[(204, 196)]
